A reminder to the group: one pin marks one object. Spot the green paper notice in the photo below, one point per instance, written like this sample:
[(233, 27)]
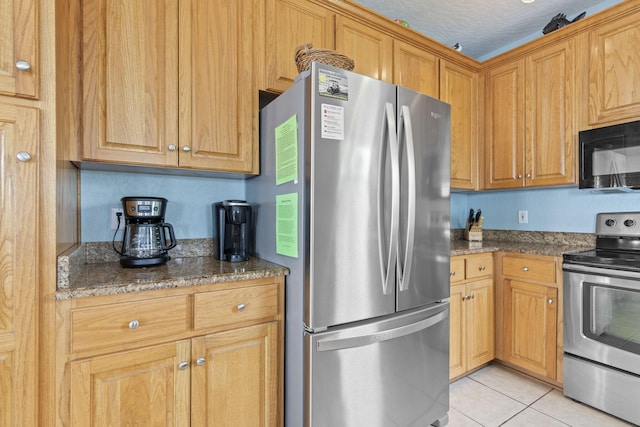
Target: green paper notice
[(287, 151), (287, 224)]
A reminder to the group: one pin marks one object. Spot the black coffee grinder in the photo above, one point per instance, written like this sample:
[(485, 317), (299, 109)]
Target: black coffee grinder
[(232, 229), (145, 243)]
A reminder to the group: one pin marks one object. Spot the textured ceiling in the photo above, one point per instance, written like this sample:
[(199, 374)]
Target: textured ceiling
[(482, 27)]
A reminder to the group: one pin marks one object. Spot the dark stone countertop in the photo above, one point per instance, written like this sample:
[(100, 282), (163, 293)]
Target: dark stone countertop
[(109, 278)]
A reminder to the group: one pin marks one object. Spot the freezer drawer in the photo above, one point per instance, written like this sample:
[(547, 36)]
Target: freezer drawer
[(393, 371)]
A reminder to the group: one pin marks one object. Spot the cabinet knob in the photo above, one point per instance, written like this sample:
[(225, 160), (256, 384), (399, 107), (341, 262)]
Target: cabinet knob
[(241, 307), (528, 175), (482, 268), (525, 268), (23, 65), (452, 273), (23, 156), (186, 148), (550, 301), (134, 324), (200, 361), (519, 176), (473, 296), (171, 147), (183, 366)]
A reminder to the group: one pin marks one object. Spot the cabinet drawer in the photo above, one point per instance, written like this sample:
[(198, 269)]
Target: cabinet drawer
[(233, 306), (115, 324), (530, 268), (479, 267), (456, 270)]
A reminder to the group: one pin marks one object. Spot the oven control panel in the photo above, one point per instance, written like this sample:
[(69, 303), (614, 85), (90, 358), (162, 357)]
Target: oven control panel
[(623, 224)]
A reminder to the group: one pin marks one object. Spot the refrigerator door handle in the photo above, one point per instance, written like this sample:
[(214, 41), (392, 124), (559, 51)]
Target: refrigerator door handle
[(388, 256), (404, 266), (362, 340)]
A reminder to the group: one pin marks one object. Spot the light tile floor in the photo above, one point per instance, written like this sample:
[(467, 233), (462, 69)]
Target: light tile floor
[(497, 396)]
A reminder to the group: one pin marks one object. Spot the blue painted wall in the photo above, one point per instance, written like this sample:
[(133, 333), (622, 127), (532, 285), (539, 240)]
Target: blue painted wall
[(190, 199), (550, 209), (188, 210)]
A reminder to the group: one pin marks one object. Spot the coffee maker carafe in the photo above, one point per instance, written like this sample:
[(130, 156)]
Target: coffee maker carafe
[(145, 243), (233, 229)]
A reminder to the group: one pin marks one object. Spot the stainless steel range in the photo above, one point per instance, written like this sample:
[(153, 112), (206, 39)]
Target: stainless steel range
[(602, 318)]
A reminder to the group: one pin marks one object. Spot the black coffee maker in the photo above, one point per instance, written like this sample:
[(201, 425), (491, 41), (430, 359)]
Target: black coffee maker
[(145, 241), (232, 229)]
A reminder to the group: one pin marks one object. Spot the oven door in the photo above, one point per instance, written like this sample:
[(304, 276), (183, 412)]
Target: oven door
[(602, 316)]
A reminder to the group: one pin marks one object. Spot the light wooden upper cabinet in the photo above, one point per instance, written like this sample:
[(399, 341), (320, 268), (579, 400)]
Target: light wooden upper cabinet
[(19, 139), (415, 69), (530, 135), (19, 40), (218, 89), (459, 88), (370, 49), (550, 141), (170, 84), (289, 24), (504, 140), (614, 71), (130, 81)]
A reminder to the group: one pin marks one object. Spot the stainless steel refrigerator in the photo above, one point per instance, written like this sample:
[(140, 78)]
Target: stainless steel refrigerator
[(353, 197)]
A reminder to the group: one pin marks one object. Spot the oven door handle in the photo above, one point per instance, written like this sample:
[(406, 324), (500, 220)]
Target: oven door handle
[(607, 272)]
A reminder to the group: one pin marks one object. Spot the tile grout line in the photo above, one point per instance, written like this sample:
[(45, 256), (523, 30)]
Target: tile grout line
[(516, 400)]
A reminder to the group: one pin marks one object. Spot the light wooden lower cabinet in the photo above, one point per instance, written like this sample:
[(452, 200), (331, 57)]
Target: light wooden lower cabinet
[(223, 372), (471, 313), (529, 314)]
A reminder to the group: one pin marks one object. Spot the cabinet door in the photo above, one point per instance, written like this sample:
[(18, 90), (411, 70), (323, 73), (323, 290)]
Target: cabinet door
[(140, 387), (130, 81), (18, 198), (19, 48), (289, 24), (550, 136), (504, 144), (371, 50), (235, 378), (415, 69), (457, 331), (218, 88), (480, 323), (459, 88), (530, 316), (614, 72)]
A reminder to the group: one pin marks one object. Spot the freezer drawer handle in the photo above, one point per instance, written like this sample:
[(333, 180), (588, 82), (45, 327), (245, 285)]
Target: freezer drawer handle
[(360, 341)]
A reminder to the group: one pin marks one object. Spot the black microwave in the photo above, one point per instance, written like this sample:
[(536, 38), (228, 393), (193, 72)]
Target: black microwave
[(610, 158)]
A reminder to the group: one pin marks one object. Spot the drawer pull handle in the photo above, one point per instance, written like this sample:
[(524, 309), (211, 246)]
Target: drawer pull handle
[(453, 273), (525, 268), (482, 268), (134, 324), (241, 307), (183, 366), (200, 361)]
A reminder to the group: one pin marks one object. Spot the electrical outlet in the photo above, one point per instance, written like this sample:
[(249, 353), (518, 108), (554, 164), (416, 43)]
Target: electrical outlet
[(523, 217), (114, 218)]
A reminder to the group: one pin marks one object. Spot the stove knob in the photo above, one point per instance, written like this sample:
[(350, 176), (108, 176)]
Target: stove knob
[(629, 222), (610, 222)]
